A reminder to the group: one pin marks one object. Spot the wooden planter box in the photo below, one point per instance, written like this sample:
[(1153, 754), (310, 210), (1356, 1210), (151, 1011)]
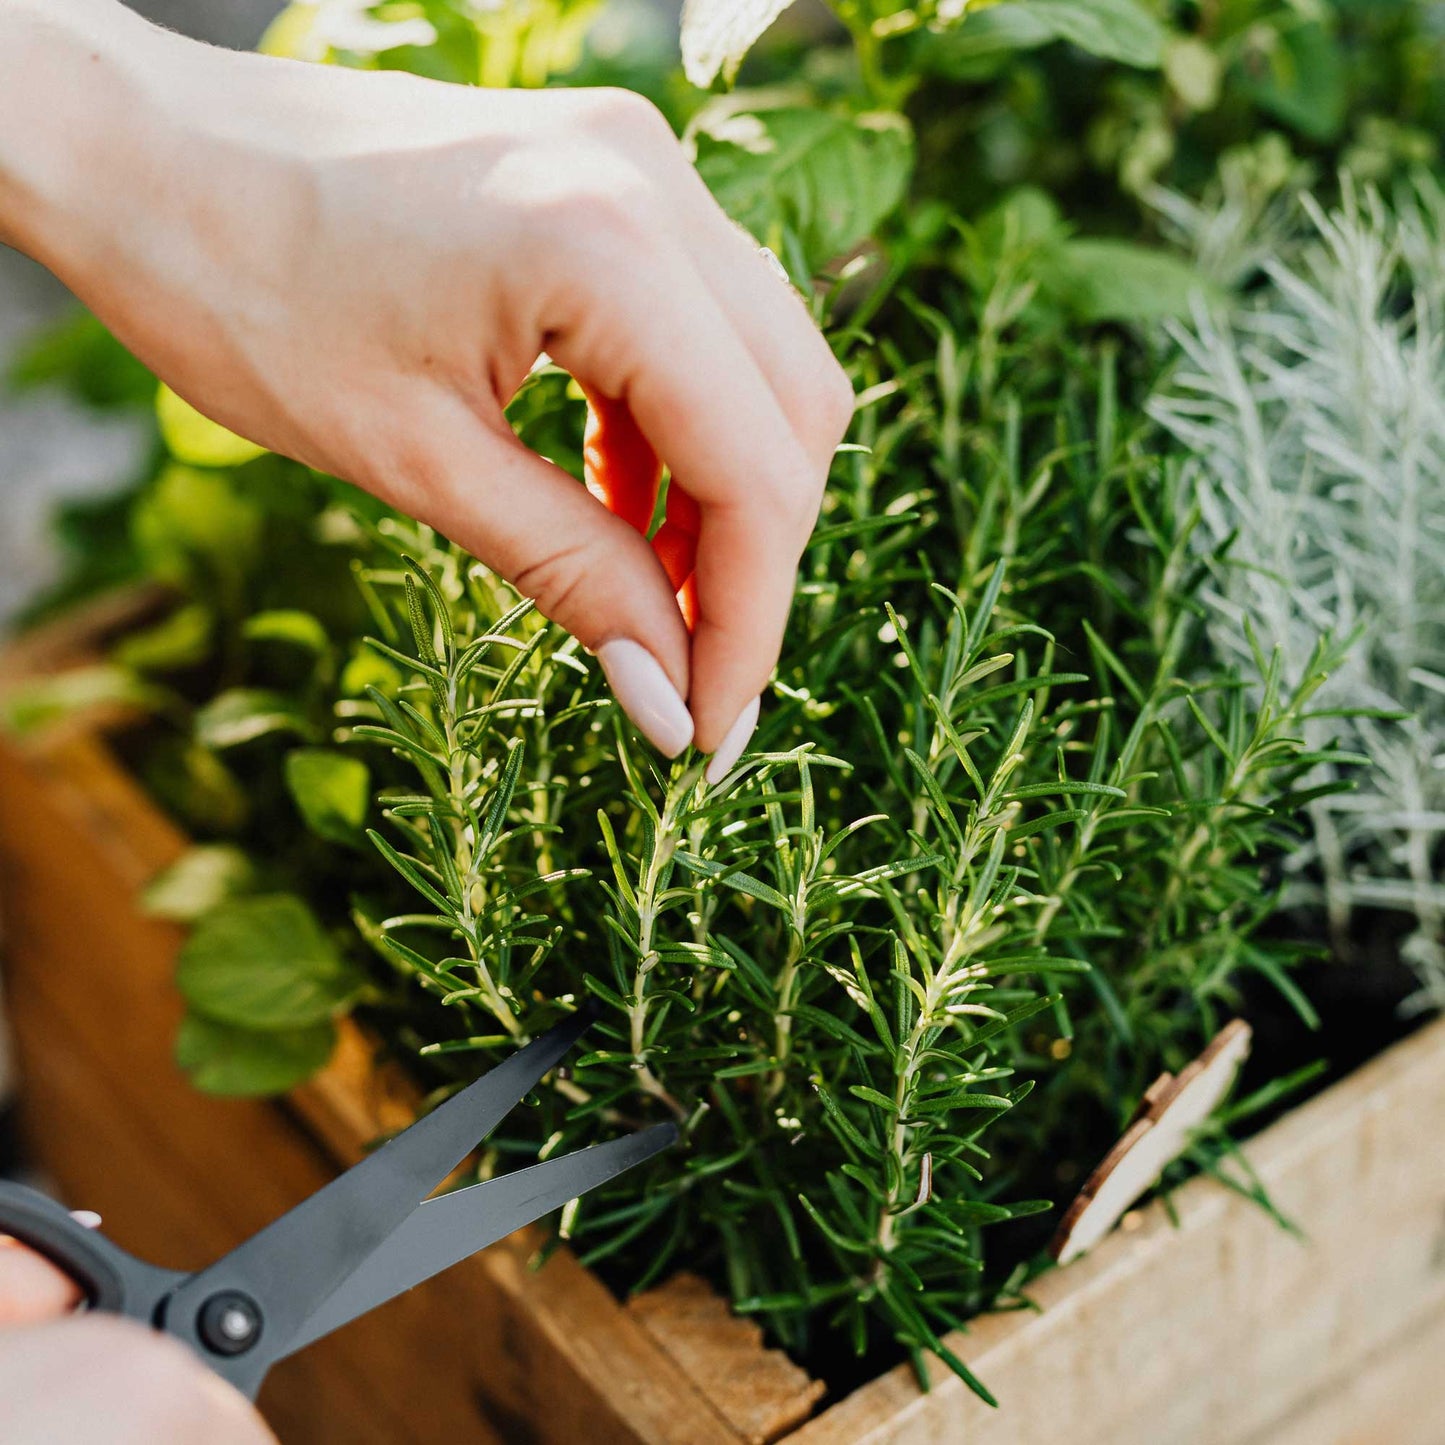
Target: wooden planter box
[(1217, 1329)]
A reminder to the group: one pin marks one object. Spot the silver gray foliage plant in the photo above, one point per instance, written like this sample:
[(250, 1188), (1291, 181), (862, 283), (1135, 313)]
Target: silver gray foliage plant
[(1314, 417)]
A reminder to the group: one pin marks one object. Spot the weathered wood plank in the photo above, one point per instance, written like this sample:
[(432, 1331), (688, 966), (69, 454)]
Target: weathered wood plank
[(1382, 1403), (1212, 1333), (760, 1392), (177, 1177)]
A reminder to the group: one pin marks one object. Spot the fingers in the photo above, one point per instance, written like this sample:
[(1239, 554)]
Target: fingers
[(31, 1288), (99, 1378), (770, 317), (812, 389), (650, 334), (587, 569)]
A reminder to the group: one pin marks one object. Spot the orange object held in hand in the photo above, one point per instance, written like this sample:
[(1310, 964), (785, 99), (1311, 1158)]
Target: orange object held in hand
[(624, 474)]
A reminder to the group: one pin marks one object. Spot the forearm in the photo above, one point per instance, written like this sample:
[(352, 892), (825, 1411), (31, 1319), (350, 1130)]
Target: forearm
[(74, 119)]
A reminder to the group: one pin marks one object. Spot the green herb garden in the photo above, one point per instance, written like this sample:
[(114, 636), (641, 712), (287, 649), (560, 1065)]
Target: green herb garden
[(1113, 689)]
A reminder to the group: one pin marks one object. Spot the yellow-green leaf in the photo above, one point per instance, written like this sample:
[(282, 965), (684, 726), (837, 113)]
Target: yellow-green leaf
[(196, 439)]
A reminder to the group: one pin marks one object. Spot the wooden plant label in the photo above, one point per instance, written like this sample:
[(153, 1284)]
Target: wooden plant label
[(1172, 1108)]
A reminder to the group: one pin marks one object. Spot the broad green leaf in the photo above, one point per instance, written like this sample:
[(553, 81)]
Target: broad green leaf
[(201, 879), (244, 1063), (1121, 30), (196, 439), (182, 638), (828, 180), (717, 34), (46, 700), (243, 714), (1194, 71), (192, 523), (367, 668), (1103, 280), (194, 783), (332, 792), (1302, 78), (1026, 218), (287, 625), (265, 963)]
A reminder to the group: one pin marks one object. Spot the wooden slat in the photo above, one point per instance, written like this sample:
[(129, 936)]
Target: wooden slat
[(1214, 1332), (760, 1392), (1382, 1403)]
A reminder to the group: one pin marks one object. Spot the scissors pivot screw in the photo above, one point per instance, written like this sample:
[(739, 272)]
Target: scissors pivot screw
[(230, 1323), (369, 1235)]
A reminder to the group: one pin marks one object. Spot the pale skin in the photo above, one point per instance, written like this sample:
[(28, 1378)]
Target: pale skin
[(358, 270)]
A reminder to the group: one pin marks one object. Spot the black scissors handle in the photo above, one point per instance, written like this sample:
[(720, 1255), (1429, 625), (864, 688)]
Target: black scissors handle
[(363, 1238), (108, 1277)]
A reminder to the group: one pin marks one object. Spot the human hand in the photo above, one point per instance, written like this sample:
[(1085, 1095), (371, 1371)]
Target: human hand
[(98, 1379), (358, 270)]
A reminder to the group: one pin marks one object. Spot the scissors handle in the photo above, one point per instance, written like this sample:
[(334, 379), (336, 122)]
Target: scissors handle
[(108, 1277)]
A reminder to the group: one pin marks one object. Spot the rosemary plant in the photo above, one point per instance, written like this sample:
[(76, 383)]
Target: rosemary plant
[(832, 969)]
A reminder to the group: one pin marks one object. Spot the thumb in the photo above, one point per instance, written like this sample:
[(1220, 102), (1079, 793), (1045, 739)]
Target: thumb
[(586, 569)]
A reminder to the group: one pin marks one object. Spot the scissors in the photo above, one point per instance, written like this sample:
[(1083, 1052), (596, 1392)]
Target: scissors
[(369, 1235)]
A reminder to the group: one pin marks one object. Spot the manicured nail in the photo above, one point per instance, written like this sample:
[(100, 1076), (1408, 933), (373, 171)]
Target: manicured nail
[(647, 697), (730, 749)]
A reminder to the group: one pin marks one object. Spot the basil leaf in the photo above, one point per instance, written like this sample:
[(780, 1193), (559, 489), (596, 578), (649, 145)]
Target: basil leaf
[(826, 180), (223, 1059), (243, 714), (201, 879), (265, 963), (332, 792)]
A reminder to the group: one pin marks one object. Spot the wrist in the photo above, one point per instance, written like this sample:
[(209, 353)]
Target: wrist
[(75, 76)]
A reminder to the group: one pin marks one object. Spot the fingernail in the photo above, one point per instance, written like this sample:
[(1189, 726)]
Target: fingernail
[(730, 749), (647, 697)]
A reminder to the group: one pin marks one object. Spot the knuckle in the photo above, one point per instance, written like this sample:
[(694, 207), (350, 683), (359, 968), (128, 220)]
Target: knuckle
[(603, 220), (613, 110), (616, 217), (823, 404), (818, 399), (794, 494), (556, 579)]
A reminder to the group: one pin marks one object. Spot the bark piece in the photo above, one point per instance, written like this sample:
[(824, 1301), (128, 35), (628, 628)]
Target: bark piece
[(759, 1392), (1173, 1106)]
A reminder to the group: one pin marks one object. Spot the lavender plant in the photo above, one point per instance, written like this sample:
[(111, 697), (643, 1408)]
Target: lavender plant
[(1316, 421)]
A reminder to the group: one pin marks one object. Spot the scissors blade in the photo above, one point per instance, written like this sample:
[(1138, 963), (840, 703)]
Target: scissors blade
[(453, 1226), (296, 1263)]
